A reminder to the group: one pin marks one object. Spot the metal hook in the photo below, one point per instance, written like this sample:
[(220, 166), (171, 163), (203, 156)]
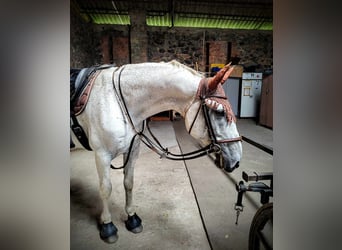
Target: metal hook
[(216, 148)]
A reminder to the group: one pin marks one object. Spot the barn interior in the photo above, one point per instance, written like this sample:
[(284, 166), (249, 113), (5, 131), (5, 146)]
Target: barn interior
[(183, 204)]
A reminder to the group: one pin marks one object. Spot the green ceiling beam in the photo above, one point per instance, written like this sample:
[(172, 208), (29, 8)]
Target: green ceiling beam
[(186, 21), (110, 19)]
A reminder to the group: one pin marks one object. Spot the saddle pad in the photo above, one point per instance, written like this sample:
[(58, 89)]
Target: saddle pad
[(81, 81), (82, 100), (79, 78)]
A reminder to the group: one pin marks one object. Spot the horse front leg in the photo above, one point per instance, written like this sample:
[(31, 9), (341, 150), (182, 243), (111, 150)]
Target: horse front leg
[(133, 222), (108, 231)]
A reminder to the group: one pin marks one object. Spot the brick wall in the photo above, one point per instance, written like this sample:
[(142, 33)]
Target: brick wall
[(218, 52), (113, 44), (120, 50)]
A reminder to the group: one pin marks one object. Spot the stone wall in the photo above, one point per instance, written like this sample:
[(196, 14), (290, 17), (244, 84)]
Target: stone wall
[(189, 46), (198, 48), (183, 45), (82, 43)]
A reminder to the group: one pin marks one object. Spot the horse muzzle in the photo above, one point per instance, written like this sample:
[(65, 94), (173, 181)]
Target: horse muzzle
[(231, 156), (230, 168)]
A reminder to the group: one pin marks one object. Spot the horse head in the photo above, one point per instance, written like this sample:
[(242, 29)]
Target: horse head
[(211, 120)]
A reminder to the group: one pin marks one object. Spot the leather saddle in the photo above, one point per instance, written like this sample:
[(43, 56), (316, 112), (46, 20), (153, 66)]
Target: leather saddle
[(78, 81)]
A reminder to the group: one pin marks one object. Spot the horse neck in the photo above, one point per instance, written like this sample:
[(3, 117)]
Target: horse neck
[(158, 88)]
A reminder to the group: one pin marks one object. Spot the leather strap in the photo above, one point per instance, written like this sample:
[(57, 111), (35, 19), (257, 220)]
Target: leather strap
[(79, 133), (230, 140)]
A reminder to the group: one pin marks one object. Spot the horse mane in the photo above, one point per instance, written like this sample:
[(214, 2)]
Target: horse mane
[(183, 66)]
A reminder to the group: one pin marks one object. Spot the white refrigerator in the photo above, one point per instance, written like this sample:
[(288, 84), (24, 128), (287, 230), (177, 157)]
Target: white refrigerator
[(250, 94)]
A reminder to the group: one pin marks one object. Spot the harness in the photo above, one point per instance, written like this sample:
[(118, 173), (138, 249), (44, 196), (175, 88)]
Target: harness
[(155, 145)]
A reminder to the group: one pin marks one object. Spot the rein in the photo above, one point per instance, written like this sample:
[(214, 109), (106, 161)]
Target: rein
[(156, 146), (211, 148)]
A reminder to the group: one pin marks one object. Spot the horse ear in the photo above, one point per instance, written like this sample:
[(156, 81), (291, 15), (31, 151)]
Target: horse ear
[(226, 75), (218, 78)]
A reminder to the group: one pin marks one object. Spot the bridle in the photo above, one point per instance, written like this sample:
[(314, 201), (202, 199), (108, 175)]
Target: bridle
[(155, 145), (205, 109), (213, 147)]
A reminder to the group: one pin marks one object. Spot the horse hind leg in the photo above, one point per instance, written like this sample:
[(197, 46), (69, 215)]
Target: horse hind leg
[(108, 231), (133, 222)]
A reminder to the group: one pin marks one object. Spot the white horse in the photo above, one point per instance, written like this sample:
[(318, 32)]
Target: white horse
[(122, 98)]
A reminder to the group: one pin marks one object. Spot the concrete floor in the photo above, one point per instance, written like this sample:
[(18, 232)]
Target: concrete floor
[(183, 205)]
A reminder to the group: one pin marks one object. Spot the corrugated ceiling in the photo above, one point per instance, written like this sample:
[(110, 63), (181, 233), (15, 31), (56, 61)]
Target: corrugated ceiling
[(228, 14)]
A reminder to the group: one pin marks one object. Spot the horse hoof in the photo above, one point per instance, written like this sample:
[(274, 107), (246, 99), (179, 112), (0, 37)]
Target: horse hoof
[(133, 224), (109, 232), (111, 239), (137, 229)]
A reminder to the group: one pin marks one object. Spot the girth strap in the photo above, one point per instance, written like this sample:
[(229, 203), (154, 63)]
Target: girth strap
[(79, 133)]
